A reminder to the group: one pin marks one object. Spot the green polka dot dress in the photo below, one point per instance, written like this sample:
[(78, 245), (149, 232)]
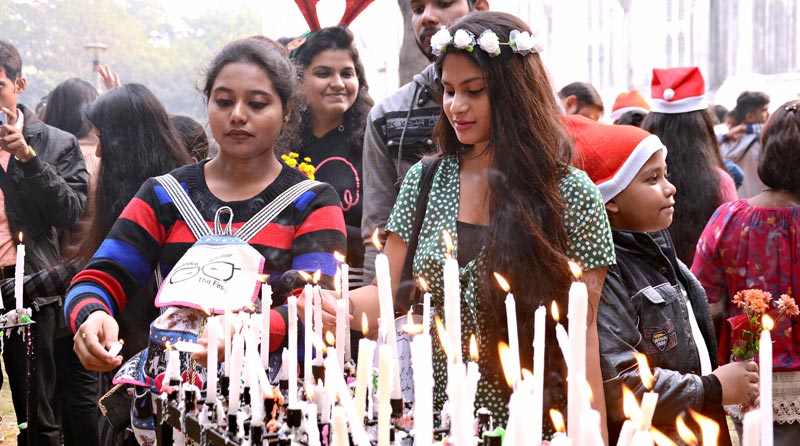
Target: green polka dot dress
[(589, 243)]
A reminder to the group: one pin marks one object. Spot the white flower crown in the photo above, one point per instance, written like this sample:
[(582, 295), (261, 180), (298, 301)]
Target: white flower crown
[(521, 42)]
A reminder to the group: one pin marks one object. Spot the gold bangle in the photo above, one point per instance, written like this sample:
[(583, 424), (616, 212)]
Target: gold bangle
[(27, 157)]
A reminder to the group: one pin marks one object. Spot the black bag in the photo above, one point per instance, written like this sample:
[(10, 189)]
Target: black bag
[(408, 293), (116, 407)]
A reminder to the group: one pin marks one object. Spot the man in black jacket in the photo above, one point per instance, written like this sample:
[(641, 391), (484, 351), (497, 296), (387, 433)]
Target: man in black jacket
[(43, 186)]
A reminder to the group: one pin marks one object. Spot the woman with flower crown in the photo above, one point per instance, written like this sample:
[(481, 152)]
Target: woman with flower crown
[(505, 191)]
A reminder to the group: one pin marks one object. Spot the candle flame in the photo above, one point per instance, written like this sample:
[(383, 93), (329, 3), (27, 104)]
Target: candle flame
[(644, 371), (558, 420), (630, 406), (310, 392), (376, 239), (709, 429), (168, 346), (423, 284), (448, 242), (554, 310), (410, 327), (364, 324), (330, 338), (660, 439), (20, 237), (338, 256), (684, 432), (306, 276), (505, 360), (262, 277), (205, 310), (444, 338), (316, 276), (586, 391), (575, 269), (767, 322), (503, 282), (473, 348), (527, 375), (317, 342)]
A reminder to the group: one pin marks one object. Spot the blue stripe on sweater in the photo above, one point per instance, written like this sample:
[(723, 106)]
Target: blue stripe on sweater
[(316, 261), (126, 254), (163, 196), (89, 289), (303, 200)]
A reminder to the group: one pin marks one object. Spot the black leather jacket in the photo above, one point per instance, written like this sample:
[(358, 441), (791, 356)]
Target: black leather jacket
[(52, 189), (643, 309)]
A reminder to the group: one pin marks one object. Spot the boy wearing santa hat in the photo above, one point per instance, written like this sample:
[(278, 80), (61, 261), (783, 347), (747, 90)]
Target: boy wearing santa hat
[(651, 303)]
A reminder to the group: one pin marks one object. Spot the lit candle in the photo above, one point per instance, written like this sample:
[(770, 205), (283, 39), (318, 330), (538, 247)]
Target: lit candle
[(235, 385), (649, 399), (366, 348), (311, 425), (334, 382), (538, 373), (751, 428), (115, 348), (342, 313), (344, 285), (308, 331), (578, 306), (19, 272), (266, 305), (340, 428), (709, 429), (518, 405), (426, 307), (385, 372), (253, 362), (317, 296), (765, 380), (228, 337), (513, 333), (291, 363), (173, 371), (452, 296), (559, 438), (386, 302), (421, 355), (473, 376), (561, 333), (633, 412), (213, 330), (460, 430), (323, 401)]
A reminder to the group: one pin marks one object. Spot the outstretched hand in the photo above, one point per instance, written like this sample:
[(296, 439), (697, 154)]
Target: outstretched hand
[(92, 340), (109, 78)]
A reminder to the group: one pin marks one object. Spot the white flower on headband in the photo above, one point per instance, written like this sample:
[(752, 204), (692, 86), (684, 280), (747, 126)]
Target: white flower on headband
[(464, 40), (440, 40), (524, 43), (489, 42)]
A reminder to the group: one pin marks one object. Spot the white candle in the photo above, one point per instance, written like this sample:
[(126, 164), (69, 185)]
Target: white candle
[(308, 331), (235, 385), (460, 430), (340, 428), (266, 305), (311, 425), (562, 338), (348, 354), (538, 374), (452, 305), (253, 366), (590, 428), (334, 380), (513, 335), (426, 313), (423, 381), (751, 428), (649, 401), (560, 439), (765, 381), (387, 315), (366, 348), (642, 438), (387, 361), (323, 401), (291, 356), (173, 371), (473, 376), (227, 333), (115, 348), (19, 273), (318, 321), (342, 314), (629, 428), (213, 330), (578, 305)]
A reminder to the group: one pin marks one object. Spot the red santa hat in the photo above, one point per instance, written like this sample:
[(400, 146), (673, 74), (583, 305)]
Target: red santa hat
[(627, 102), (611, 155), (678, 90)]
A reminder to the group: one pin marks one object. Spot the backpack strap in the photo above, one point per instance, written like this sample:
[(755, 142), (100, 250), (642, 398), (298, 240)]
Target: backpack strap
[(271, 210), (188, 210)]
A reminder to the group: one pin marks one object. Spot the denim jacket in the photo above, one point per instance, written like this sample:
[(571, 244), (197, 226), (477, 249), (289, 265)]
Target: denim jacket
[(643, 309)]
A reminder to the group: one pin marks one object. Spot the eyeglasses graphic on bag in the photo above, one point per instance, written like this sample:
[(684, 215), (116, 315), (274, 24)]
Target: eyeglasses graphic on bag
[(222, 271)]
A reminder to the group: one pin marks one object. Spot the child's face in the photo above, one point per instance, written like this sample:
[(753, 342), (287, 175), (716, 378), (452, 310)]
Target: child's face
[(646, 205)]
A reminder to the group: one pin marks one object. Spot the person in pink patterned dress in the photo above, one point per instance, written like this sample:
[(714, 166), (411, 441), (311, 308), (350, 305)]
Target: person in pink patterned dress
[(755, 243)]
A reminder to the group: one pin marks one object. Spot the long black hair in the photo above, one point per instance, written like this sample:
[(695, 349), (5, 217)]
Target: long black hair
[(531, 154), (65, 106), (355, 118), (137, 141), (693, 161)]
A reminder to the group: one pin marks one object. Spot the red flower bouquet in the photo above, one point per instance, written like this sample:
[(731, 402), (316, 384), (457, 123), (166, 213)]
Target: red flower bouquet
[(745, 328)]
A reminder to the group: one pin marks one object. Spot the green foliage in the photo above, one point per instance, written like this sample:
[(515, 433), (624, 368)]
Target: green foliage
[(145, 44)]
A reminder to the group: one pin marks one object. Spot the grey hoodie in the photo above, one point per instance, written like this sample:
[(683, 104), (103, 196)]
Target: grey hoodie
[(745, 153), (399, 132)]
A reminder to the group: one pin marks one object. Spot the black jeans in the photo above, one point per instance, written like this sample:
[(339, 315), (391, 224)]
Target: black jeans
[(42, 427), (77, 395)]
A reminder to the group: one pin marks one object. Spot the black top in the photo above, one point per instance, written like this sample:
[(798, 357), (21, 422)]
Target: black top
[(471, 239), (339, 164)]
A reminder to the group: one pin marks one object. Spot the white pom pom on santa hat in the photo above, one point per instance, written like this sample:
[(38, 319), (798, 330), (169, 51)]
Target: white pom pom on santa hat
[(678, 90)]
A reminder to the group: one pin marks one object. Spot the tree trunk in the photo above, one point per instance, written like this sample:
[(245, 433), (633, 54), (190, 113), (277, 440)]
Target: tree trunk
[(412, 61)]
